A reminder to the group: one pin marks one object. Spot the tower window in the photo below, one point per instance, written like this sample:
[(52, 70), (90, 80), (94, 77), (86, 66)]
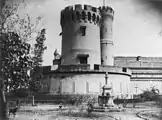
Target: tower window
[(73, 18), (94, 17), (83, 58), (89, 16), (94, 9), (102, 61), (83, 30), (83, 15), (124, 69), (105, 29), (85, 7), (78, 15)]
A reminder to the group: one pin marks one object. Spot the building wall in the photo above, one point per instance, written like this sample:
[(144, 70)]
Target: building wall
[(127, 61), (106, 36), (45, 84), (74, 45), (146, 72), (87, 83)]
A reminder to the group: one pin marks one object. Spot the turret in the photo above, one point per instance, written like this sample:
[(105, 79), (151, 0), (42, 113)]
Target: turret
[(106, 33), (80, 35)]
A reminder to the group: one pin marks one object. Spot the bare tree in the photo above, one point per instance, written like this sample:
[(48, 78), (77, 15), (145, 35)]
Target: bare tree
[(23, 25)]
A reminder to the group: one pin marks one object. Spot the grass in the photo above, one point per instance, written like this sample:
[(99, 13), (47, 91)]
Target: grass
[(81, 114), (73, 112)]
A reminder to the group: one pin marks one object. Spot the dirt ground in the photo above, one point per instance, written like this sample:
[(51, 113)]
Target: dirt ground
[(51, 112)]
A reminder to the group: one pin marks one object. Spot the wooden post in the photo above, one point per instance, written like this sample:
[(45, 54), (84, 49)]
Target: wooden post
[(33, 102), (1, 102)]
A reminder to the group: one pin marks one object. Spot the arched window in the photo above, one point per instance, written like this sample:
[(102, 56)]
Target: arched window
[(62, 20), (94, 18), (73, 17), (89, 16), (83, 15), (78, 15), (98, 19)]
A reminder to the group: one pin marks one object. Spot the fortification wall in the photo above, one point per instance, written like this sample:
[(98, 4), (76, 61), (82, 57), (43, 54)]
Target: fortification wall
[(90, 83), (80, 13), (107, 11), (143, 62)]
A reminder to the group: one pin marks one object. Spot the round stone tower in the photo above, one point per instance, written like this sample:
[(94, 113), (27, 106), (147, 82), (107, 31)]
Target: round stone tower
[(106, 33), (80, 35)]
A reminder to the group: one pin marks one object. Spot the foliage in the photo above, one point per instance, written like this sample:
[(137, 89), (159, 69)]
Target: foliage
[(90, 107), (16, 31), (73, 99), (22, 93), (36, 73), (72, 113), (15, 61), (77, 99), (35, 83), (39, 48), (150, 94), (22, 24)]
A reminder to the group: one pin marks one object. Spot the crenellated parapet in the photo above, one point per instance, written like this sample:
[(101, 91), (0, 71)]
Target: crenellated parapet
[(107, 11), (80, 13)]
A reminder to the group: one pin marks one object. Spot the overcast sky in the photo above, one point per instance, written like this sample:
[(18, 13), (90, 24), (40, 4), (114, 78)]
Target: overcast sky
[(137, 25)]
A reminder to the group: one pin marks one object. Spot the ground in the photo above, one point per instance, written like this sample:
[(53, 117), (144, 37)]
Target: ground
[(51, 112)]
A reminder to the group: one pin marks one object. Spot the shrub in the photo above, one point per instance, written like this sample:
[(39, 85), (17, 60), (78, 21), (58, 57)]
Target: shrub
[(150, 94), (77, 99), (73, 99), (81, 115), (22, 93)]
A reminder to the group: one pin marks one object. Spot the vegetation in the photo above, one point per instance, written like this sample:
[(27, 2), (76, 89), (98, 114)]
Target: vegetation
[(17, 61), (77, 99), (149, 95), (71, 113), (36, 73)]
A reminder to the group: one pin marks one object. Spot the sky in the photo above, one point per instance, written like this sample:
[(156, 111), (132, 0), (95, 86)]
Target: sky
[(137, 25)]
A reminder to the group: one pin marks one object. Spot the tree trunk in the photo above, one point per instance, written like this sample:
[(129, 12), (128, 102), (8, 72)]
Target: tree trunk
[(2, 97), (1, 106), (3, 102), (33, 102)]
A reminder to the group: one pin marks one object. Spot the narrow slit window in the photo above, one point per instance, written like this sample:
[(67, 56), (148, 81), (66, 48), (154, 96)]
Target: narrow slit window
[(105, 29), (83, 30), (87, 87), (73, 87)]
